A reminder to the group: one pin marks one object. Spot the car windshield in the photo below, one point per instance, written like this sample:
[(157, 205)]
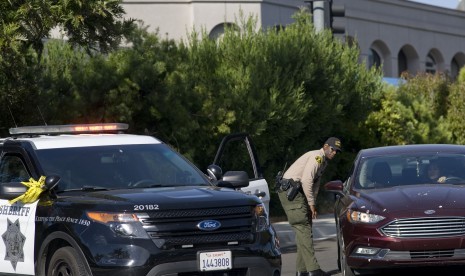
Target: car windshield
[(119, 167), (396, 170)]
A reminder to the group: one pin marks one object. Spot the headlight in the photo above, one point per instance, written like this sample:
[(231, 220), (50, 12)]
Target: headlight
[(123, 224), (261, 218), (359, 217)]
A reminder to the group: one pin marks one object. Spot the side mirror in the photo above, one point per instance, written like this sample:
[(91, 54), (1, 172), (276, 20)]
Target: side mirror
[(234, 179), (12, 190), (51, 181), (214, 172), (334, 186)]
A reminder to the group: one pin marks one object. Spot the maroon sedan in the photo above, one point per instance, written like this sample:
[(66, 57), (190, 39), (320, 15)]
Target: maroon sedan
[(401, 206)]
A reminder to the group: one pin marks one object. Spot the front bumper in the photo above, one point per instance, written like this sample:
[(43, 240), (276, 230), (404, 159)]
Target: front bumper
[(241, 265), (370, 250), (244, 263), (142, 257)]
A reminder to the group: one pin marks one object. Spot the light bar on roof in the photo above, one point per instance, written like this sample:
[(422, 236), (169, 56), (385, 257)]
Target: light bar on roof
[(71, 129)]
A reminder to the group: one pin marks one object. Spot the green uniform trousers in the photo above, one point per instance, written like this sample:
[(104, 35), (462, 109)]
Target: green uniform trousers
[(297, 212)]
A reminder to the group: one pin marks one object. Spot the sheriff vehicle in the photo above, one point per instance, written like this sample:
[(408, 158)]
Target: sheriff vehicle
[(93, 200)]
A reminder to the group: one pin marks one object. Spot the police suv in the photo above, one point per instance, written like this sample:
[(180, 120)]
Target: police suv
[(92, 200)]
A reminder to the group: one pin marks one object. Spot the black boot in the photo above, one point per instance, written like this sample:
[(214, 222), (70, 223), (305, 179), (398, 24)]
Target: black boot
[(303, 273), (317, 272)]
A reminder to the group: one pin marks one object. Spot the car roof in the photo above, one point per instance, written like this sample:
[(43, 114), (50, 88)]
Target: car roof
[(87, 140), (78, 135), (416, 148)]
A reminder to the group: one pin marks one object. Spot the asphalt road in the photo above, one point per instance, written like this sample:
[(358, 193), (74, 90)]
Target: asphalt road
[(324, 235), (326, 255)]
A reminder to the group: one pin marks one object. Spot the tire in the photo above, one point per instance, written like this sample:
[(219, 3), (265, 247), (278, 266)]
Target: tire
[(343, 267), (338, 238), (66, 262)]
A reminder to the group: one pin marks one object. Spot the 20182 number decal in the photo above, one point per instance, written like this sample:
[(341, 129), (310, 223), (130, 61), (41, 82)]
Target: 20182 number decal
[(146, 207)]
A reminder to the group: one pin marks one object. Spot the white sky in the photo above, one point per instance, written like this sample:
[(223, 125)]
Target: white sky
[(452, 4)]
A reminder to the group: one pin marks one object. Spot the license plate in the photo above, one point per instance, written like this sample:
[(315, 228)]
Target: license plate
[(215, 260)]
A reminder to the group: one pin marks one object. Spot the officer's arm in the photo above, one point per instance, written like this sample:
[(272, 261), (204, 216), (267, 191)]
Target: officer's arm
[(308, 178)]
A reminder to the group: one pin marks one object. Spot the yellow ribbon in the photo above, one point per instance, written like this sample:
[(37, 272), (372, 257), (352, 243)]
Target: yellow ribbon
[(35, 188)]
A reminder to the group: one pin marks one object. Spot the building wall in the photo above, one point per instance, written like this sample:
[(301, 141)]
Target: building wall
[(386, 27), (176, 19), (396, 25)]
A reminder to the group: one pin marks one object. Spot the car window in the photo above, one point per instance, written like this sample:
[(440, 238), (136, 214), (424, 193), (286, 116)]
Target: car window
[(397, 170), (236, 158), (12, 169), (120, 166)]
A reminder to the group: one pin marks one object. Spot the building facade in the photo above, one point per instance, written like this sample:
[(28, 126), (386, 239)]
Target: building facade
[(399, 35)]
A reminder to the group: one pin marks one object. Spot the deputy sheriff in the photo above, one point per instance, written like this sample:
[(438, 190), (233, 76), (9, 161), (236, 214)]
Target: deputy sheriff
[(300, 208)]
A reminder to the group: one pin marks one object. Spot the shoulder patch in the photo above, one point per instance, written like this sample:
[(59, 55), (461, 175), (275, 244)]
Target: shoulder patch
[(318, 159)]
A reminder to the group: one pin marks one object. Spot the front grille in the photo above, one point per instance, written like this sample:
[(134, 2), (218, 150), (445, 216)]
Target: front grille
[(431, 254), (178, 228), (425, 255), (427, 227), (200, 213)]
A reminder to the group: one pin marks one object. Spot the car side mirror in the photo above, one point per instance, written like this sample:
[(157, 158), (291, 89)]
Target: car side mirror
[(12, 190), (334, 186), (51, 181), (234, 179)]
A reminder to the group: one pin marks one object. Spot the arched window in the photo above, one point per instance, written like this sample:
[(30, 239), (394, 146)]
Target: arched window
[(402, 62), (218, 31), (454, 68), (430, 64), (374, 59)]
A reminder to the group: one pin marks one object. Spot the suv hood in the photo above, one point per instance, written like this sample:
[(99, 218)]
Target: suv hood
[(165, 198)]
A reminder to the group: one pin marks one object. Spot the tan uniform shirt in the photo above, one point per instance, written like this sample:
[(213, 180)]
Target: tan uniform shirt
[(308, 169)]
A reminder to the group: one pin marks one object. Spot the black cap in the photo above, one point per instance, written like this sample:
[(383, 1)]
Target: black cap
[(335, 143)]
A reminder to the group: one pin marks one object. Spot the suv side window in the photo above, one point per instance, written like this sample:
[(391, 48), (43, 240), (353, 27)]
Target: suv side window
[(236, 157), (12, 169)]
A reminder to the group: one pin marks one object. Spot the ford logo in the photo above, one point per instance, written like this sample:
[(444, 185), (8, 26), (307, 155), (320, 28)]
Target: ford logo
[(208, 225), (430, 212)]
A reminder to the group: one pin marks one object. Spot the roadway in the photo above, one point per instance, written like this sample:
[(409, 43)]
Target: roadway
[(324, 235)]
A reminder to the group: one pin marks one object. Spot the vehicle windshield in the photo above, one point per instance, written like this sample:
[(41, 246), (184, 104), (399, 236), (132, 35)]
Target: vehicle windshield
[(396, 170), (119, 167)]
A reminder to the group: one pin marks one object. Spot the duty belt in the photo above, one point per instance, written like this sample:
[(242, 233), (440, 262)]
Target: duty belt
[(283, 184), (290, 186)]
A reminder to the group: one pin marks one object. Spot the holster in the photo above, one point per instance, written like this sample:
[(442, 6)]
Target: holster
[(278, 181), (290, 186), (294, 189)]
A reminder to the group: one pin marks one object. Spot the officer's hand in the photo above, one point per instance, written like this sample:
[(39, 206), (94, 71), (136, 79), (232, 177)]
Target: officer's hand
[(313, 210)]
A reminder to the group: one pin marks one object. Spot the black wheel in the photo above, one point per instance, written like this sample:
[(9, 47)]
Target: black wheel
[(343, 267), (66, 262), (338, 255)]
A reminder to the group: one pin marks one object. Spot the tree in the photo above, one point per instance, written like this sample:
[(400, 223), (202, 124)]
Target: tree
[(461, 77), (414, 113), (456, 112), (97, 25), (24, 24)]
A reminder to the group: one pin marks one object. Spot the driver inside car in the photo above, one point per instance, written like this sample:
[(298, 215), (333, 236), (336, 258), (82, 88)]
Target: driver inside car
[(433, 173)]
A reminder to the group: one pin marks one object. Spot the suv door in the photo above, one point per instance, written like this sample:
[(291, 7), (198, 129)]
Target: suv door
[(237, 153)]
